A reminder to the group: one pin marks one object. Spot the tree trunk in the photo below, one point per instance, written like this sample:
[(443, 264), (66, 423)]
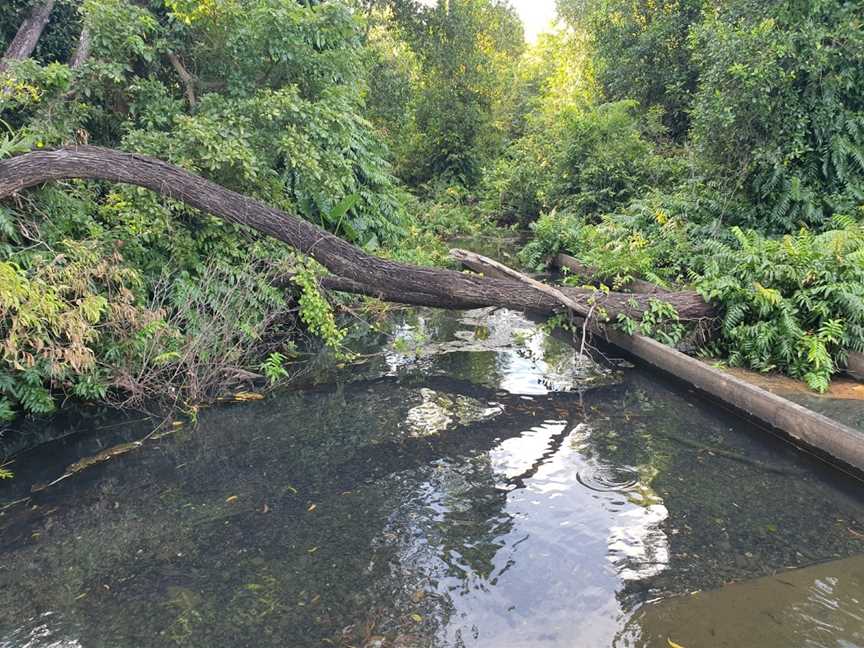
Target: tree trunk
[(82, 50), (185, 77), (31, 29), (690, 305), (355, 270)]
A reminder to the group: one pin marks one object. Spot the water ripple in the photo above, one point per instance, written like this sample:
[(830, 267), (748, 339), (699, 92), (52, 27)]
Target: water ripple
[(608, 478)]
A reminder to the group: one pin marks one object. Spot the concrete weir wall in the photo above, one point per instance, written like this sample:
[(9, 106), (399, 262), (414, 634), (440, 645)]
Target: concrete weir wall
[(855, 365), (839, 441)]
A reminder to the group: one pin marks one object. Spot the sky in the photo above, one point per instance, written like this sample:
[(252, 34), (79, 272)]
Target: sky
[(536, 16)]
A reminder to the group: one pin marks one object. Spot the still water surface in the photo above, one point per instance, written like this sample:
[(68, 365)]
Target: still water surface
[(473, 484)]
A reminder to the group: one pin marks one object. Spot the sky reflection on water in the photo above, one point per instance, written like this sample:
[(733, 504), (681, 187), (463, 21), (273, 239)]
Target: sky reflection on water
[(472, 486)]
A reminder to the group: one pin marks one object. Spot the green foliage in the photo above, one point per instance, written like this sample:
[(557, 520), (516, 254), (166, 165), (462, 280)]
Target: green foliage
[(768, 95), (779, 108), (58, 313), (660, 322), (589, 161), (642, 242), (274, 367), (315, 310), (642, 52), (466, 53), (794, 304)]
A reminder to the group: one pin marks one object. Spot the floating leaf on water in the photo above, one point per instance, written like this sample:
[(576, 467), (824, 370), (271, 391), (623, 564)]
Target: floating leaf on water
[(312, 508), (158, 435), (312, 550), (231, 499), (248, 396), (672, 644), (105, 455)]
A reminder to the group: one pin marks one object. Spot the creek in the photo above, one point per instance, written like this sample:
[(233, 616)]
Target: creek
[(470, 482)]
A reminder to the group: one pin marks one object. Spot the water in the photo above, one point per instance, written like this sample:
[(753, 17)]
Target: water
[(473, 484)]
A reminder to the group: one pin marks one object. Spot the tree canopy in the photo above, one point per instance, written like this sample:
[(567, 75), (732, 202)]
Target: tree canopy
[(718, 146)]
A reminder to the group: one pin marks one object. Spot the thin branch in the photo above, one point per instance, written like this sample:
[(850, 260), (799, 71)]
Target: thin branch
[(187, 79)]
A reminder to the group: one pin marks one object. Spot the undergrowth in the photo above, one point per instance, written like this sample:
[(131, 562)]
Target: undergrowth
[(792, 304)]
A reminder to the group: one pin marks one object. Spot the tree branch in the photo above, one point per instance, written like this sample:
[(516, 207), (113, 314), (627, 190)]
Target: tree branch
[(28, 34), (82, 51), (187, 79)]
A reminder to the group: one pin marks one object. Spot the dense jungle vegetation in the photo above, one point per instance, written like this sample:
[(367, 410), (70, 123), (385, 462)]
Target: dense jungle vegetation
[(713, 145)]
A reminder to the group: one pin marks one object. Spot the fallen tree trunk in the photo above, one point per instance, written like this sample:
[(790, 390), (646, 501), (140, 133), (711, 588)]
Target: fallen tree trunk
[(28, 34), (356, 271), (690, 305)]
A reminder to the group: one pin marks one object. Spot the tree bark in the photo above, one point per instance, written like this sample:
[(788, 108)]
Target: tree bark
[(185, 77), (355, 270), (485, 264), (82, 51), (28, 34)]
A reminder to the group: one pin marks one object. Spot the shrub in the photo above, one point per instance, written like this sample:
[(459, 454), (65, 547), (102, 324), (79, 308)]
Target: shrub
[(794, 304), (592, 161)]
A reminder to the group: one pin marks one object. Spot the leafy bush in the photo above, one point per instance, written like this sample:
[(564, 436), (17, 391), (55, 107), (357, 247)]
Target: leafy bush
[(794, 304), (644, 241), (778, 112), (60, 314), (592, 161)]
